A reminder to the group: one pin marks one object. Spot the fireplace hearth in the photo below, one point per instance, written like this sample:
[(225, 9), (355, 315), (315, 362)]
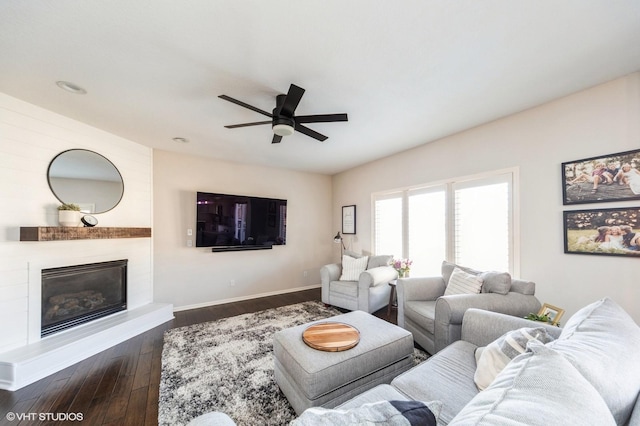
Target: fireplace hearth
[(74, 295)]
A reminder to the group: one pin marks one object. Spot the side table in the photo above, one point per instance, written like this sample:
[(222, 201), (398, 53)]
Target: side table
[(393, 304)]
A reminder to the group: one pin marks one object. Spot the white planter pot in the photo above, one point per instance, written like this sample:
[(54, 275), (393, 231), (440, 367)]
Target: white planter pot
[(68, 217)]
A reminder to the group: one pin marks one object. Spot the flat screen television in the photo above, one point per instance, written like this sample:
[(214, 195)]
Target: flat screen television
[(238, 222)]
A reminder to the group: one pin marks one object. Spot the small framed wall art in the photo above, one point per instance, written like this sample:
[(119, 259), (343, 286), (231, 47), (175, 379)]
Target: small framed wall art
[(606, 178), (349, 219)]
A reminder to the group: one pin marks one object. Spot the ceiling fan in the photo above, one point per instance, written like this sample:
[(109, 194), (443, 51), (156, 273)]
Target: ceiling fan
[(283, 119)]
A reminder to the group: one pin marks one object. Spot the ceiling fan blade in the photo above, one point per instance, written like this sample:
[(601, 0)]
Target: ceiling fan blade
[(252, 108), (291, 101), (321, 118), (234, 126), (276, 139), (312, 133)]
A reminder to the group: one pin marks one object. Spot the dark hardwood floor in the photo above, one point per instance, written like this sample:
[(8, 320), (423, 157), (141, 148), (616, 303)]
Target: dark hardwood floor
[(120, 385)]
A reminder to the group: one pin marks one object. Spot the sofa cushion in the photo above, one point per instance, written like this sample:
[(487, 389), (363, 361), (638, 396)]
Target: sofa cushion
[(603, 342), (421, 312), (462, 282), (379, 260), (496, 282), (448, 267), (635, 415), (381, 413), (539, 387), (523, 287), (352, 267), (347, 288), (492, 359), (379, 393), (446, 376)]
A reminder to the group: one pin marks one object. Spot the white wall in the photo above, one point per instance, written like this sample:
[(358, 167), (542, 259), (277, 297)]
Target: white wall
[(598, 121), (30, 137), (191, 277)]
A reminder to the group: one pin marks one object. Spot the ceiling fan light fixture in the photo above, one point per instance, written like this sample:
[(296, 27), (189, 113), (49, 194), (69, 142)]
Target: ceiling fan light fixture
[(284, 121), (283, 129)]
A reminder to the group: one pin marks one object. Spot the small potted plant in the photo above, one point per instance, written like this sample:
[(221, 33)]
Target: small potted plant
[(536, 317), (68, 214), (542, 318)]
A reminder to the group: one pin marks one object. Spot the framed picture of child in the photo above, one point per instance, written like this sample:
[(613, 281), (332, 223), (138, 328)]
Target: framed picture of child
[(611, 232), (552, 312), (611, 177)]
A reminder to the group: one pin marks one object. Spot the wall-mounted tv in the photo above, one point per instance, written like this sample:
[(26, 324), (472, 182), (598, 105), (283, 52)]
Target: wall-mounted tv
[(238, 222)]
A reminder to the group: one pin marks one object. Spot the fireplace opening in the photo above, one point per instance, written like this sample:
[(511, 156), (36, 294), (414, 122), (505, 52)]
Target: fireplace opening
[(74, 295)]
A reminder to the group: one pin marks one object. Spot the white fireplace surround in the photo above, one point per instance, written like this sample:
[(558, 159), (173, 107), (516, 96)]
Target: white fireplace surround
[(43, 356), (34, 136)]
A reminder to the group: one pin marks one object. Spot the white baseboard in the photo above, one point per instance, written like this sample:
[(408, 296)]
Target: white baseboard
[(23, 366), (239, 299)]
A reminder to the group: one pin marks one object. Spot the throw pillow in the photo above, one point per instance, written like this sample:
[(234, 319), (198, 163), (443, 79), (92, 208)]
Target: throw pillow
[(538, 388), (352, 268), (493, 358), (396, 413), (496, 282), (448, 267), (603, 342), (462, 282)]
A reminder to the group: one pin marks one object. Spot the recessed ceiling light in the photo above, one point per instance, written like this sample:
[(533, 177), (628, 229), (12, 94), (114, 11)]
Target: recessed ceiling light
[(181, 140), (70, 87)]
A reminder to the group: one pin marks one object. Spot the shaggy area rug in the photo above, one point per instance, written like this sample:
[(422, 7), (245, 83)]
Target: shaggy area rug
[(227, 366)]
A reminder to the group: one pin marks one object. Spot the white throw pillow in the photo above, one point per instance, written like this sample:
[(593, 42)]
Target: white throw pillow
[(492, 359), (538, 388), (352, 267), (462, 282), (603, 342)]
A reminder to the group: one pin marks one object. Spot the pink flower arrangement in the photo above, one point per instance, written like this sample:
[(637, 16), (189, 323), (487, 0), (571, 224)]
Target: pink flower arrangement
[(403, 266)]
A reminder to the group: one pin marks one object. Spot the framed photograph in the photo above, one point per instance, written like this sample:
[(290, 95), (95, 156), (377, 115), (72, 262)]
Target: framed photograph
[(349, 219), (554, 313), (610, 177), (612, 232)]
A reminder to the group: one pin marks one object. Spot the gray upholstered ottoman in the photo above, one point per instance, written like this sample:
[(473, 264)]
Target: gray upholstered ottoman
[(311, 378)]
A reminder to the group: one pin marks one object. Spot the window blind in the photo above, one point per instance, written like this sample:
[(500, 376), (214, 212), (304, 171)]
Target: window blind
[(427, 231), (388, 224), (482, 224)]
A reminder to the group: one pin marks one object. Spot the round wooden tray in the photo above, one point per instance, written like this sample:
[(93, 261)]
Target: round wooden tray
[(331, 336)]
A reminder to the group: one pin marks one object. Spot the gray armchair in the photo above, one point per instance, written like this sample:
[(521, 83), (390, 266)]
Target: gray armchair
[(370, 293), (435, 320)]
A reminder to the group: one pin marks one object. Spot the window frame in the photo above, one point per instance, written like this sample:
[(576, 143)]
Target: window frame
[(510, 175)]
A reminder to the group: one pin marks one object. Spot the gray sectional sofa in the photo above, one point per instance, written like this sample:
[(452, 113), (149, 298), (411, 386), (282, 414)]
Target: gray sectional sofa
[(589, 375)]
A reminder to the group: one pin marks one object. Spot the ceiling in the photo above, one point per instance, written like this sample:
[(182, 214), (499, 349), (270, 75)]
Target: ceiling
[(406, 72)]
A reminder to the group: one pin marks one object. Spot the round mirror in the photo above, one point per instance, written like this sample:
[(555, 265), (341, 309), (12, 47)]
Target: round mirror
[(87, 179)]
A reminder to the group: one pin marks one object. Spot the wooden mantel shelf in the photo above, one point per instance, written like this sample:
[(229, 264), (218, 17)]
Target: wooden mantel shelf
[(60, 233)]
